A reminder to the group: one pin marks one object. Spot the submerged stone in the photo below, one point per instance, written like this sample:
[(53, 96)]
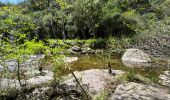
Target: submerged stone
[(70, 59)]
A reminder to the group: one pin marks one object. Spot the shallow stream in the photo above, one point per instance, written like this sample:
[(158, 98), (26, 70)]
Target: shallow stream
[(86, 62)]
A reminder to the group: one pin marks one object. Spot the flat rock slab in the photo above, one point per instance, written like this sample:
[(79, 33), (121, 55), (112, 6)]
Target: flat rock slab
[(135, 91), (94, 80)]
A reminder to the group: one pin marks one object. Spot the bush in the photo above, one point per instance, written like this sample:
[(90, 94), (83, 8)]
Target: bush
[(99, 44), (32, 47), (119, 45)]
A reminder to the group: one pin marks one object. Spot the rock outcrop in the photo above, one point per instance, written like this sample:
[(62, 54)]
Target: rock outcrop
[(135, 91), (94, 81)]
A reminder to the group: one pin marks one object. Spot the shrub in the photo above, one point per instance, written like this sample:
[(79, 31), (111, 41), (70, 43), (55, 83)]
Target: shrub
[(118, 45), (32, 47), (99, 44)]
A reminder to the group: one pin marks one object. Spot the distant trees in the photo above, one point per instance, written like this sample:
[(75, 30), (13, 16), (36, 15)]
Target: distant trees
[(79, 18)]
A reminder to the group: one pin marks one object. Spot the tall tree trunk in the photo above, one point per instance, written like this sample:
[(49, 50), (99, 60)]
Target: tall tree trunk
[(63, 30)]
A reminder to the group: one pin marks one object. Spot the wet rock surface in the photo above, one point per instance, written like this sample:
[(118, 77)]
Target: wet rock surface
[(135, 91)]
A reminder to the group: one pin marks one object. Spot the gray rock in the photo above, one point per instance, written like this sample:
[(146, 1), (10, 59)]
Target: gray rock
[(94, 80), (36, 94), (9, 83), (165, 78), (71, 51), (135, 57), (36, 80), (76, 49), (87, 50), (32, 62), (135, 91), (32, 73), (11, 65)]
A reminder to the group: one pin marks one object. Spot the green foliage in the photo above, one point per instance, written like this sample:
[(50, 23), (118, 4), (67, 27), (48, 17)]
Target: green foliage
[(100, 43), (58, 68), (33, 47), (9, 93), (118, 45), (103, 96), (130, 76), (85, 19)]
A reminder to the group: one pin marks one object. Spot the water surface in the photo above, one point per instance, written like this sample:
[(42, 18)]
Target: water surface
[(86, 62)]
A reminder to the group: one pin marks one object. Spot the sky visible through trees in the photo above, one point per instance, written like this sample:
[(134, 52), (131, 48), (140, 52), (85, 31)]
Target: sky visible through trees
[(11, 1)]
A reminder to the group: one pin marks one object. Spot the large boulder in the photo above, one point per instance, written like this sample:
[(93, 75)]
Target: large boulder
[(135, 91), (94, 81), (135, 57)]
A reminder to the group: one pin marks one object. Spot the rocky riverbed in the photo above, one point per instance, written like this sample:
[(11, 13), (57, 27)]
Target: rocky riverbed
[(94, 75)]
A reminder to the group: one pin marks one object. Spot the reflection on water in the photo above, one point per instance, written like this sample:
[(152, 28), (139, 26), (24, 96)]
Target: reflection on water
[(134, 64), (86, 62)]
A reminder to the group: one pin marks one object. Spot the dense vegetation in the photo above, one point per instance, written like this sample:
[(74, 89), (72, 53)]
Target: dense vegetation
[(53, 27), (120, 22)]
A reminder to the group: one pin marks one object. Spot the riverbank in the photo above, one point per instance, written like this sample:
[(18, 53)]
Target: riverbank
[(88, 55)]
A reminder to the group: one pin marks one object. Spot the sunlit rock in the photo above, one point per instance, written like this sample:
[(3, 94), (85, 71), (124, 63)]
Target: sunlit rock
[(135, 91), (165, 78), (136, 58), (94, 81)]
